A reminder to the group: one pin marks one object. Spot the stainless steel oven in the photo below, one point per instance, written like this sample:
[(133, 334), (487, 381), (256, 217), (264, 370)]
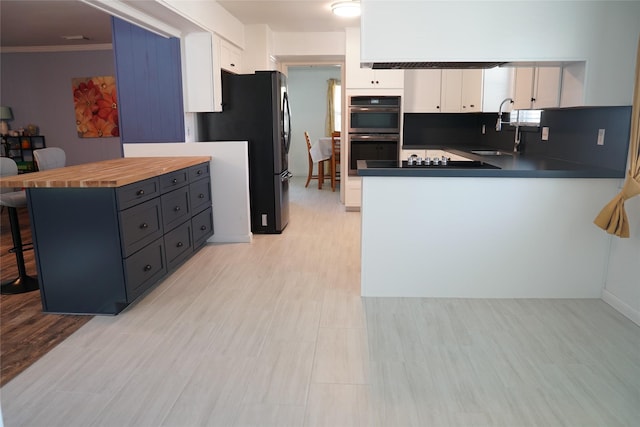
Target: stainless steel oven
[(374, 114), (374, 129), (370, 146)]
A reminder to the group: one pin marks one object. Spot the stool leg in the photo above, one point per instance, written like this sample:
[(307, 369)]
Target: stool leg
[(23, 283)]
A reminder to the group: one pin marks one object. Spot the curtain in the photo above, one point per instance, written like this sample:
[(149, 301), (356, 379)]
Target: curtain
[(330, 122), (613, 218)]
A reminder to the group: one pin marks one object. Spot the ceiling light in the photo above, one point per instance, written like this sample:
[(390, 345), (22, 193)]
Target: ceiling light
[(346, 8), (76, 37)]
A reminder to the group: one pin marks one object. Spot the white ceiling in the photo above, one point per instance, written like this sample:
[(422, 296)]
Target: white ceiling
[(43, 23)]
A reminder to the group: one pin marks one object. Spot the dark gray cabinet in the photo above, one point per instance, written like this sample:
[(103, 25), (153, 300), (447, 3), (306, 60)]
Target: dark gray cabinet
[(99, 249)]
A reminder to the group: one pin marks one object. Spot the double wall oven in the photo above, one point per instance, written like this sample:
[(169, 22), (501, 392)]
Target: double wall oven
[(374, 129)]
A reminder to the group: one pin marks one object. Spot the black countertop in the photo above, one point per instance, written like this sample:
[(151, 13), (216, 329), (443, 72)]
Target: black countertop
[(517, 165)]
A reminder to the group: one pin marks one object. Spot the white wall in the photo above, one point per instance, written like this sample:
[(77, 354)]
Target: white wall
[(229, 182), (622, 288), (308, 99), (309, 45), (604, 33), (483, 237)]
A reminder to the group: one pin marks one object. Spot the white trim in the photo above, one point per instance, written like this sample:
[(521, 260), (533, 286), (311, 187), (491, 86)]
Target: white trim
[(59, 48), (134, 16), (230, 238), (622, 307)]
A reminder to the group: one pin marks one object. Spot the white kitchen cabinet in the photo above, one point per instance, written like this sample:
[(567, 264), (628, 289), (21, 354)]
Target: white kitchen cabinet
[(422, 91), (230, 57), (461, 91), (447, 91), (537, 87), (203, 92), (497, 86), (366, 78), (353, 193)]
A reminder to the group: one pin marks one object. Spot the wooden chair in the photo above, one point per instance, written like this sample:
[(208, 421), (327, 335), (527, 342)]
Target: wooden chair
[(335, 159), (310, 175)]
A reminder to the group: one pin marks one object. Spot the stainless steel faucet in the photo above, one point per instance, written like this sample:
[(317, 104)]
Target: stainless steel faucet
[(499, 122)]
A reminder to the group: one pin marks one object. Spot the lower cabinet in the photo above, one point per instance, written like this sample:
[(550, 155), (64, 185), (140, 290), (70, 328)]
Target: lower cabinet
[(99, 249)]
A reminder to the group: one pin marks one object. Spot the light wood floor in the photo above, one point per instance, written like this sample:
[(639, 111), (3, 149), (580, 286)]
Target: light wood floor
[(274, 333)]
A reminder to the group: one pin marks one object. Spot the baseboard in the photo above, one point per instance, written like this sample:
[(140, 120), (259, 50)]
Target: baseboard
[(621, 306), (244, 238)]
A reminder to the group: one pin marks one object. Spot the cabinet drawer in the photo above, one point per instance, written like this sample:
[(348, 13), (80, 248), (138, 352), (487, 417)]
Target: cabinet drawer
[(173, 180), (202, 227), (139, 226), (199, 171), (200, 195), (138, 192), (144, 268), (175, 208), (178, 245)]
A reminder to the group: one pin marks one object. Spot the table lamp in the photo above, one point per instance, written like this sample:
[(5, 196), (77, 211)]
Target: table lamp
[(5, 114)]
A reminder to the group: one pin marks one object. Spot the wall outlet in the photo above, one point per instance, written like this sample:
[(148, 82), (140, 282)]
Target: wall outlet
[(545, 133), (600, 136)]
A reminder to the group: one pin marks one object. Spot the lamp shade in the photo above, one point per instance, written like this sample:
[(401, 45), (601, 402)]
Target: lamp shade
[(346, 8), (6, 113)]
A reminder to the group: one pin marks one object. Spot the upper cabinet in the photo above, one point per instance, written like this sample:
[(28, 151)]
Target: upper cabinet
[(449, 91), (461, 91), (367, 78), (497, 86), (230, 57), (203, 92), (422, 91), (149, 83), (537, 87), (206, 55)]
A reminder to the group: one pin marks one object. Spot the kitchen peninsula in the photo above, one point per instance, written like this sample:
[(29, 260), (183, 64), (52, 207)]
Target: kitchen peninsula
[(105, 232), (521, 230)]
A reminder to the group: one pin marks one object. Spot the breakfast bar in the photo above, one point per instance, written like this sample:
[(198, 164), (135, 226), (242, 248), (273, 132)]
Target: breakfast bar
[(106, 232), (522, 228)]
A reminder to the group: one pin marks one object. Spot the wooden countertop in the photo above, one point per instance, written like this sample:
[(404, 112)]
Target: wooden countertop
[(106, 173)]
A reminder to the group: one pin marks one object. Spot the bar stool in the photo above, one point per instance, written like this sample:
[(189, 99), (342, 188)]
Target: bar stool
[(13, 200)]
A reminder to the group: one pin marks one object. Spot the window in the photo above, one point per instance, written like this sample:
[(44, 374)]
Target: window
[(525, 117), (337, 107)]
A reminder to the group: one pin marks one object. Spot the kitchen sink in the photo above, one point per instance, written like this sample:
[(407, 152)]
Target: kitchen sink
[(491, 153)]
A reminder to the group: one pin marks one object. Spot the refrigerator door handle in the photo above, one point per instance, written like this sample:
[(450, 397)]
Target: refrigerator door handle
[(285, 176)]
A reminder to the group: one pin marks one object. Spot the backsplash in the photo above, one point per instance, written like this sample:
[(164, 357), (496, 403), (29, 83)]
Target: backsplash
[(573, 133)]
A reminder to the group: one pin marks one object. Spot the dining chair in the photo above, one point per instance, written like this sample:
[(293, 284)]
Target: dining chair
[(50, 158), (320, 175), (335, 159), (12, 200)]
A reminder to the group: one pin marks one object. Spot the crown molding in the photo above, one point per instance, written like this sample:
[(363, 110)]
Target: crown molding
[(57, 48)]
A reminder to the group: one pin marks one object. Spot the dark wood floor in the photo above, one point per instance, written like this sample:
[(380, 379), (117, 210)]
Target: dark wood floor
[(26, 333)]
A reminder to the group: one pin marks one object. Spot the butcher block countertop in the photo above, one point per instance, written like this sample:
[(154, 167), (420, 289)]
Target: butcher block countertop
[(106, 173)]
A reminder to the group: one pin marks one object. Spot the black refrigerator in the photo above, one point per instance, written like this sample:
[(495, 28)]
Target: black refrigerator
[(255, 108)]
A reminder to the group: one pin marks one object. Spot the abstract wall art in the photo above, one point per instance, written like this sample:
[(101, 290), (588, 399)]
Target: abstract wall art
[(96, 106)]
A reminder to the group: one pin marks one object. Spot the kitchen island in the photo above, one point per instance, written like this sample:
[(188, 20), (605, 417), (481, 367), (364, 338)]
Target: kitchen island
[(106, 232), (520, 229)]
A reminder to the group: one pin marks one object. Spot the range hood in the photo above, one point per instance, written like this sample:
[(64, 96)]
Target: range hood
[(432, 65)]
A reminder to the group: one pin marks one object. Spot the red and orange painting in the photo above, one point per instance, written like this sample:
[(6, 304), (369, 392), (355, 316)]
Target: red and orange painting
[(96, 106)]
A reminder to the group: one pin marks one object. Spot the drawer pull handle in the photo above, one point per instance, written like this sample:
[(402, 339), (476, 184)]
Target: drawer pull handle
[(199, 172), (140, 193), (144, 225), (175, 180), (204, 227), (176, 209), (200, 196), (179, 245), (147, 267)]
